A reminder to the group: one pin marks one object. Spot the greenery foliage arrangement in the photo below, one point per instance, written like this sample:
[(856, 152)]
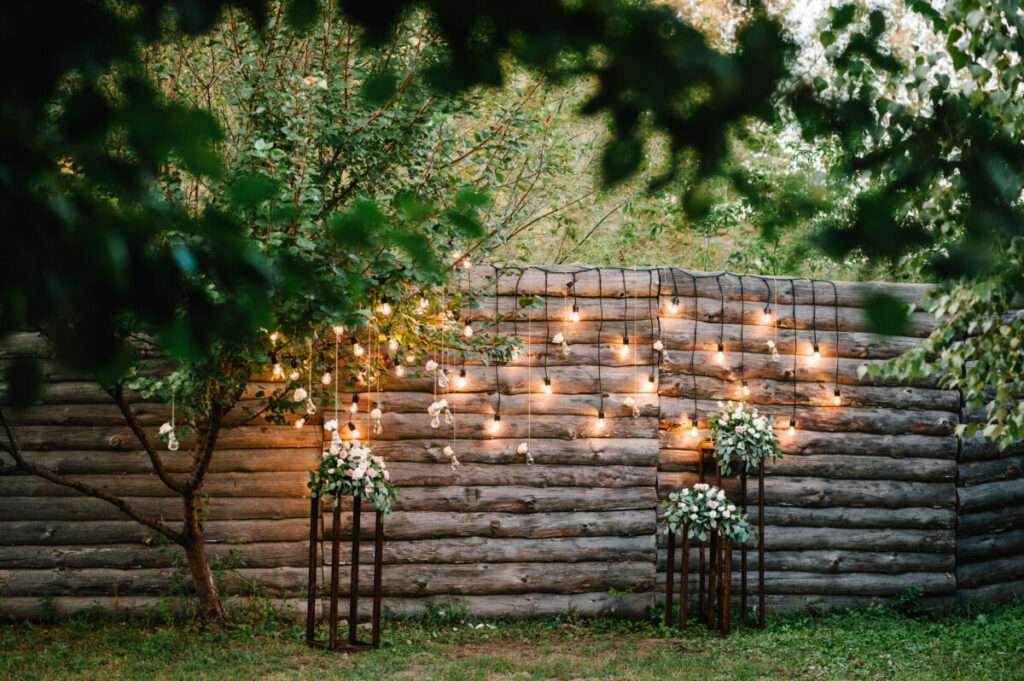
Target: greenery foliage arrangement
[(702, 510), (740, 434)]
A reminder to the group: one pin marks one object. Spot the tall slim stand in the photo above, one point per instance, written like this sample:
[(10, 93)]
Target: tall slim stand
[(352, 642)]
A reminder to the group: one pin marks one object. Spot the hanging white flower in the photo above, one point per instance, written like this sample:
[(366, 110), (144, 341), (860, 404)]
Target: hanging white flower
[(658, 345), (431, 365), (166, 428), (310, 406), (331, 425), (375, 413), (565, 349), (523, 448), (629, 401), (300, 394), (559, 338)]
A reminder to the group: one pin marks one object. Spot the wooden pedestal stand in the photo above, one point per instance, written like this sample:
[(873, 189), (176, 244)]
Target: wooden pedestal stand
[(714, 582), (352, 643)]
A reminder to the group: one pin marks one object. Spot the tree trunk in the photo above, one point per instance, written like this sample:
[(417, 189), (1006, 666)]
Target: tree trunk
[(211, 610)]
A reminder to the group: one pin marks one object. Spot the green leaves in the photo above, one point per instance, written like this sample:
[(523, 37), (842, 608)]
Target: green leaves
[(887, 314), (356, 227), (250, 190)]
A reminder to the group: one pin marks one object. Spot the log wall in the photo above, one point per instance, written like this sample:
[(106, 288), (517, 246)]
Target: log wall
[(871, 498)]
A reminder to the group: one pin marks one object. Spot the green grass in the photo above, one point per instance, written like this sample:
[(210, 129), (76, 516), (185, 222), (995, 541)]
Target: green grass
[(875, 644)]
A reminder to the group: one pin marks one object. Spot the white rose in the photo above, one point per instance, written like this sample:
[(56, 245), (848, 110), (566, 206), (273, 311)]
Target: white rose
[(331, 425), (166, 428), (559, 338), (448, 451), (375, 413), (300, 394), (431, 365), (659, 346), (523, 448)]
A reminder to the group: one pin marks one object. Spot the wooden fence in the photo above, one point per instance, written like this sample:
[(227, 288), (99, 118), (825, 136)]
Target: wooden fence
[(873, 497)]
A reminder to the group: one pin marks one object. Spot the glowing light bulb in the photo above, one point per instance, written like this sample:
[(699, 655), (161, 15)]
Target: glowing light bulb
[(467, 330), (693, 429), (766, 315), (410, 358), (294, 375), (600, 420), (792, 426), (495, 423), (673, 307), (720, 355), (423, 304), (456, 254), (358, 350), (278, 369), (746, 389), (574, 314), (467, 264), (352, 430), (339, 330), (460, 380), (547, 385), (299, 422), (624, 348), (816, 354), (326, 378), (650, 381), (399, 369), (837, 398), (393, 345), (384, 309), (353, 408), (275, 336)]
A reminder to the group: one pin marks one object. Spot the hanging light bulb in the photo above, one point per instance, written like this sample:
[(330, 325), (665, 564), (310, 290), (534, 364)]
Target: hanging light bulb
[(837, 398), (353, 408), (399, 368), (745, 389), (624, 348), (574, 313), (299, 422), (650, 381), (720, 355), (467, 330), (339, 330), (460, 380), (816, 354), (410, 358), (294, 375), (495, 423), (792, 426), (456, 254), (673, 307), (352, 430), (467, 264), (326, 378), (422, 304), (384, 309), (600, 420), (766, 314), (275, 336), (547, 386), (278, 369), (693, 427), (393, 345), (357, 349)]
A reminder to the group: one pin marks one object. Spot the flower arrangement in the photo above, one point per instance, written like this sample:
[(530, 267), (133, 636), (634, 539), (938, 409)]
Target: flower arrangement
[(740, 433), (703, 510), (349, 469)]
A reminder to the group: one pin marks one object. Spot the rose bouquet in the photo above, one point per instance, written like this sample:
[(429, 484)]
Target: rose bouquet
[(740, 433), (702, 510), (349, 469)]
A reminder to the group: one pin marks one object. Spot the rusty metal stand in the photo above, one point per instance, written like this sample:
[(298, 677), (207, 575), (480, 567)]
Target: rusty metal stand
[(352, 642)]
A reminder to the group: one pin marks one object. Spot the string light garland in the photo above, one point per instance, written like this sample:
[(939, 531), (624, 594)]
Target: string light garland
[(651, 378), (694, 429), (547, 337), (815, 349), (720, 354), (495, 425), (837, 396), (574, 313), (796, 349)]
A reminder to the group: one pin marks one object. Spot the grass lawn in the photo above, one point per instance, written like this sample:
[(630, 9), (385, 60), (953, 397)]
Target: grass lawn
[(876, 644)]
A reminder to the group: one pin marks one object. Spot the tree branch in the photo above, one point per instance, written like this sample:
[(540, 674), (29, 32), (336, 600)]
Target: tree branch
[(20, 463), (117, 394)]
